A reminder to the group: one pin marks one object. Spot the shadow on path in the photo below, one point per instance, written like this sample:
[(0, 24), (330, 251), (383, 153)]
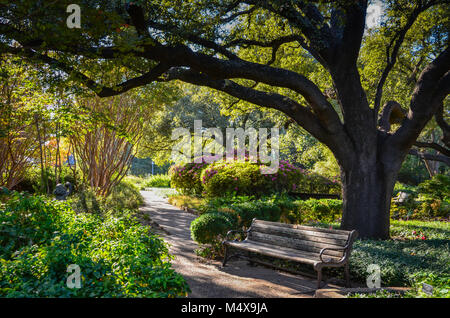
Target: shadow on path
[(210, 279)]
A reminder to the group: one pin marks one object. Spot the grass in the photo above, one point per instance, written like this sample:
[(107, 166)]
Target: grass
[(155, 181), (431, 229), (186, 201)]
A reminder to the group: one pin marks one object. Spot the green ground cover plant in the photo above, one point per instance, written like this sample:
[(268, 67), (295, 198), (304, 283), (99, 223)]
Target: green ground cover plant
[(117, 256), (157, 181)]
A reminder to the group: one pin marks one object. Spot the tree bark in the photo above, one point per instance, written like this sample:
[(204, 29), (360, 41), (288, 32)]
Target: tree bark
[(366, 193)]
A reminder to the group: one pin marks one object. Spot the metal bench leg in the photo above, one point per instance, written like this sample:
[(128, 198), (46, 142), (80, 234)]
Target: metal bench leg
[(347, 275), (225, 258), (319, 277)]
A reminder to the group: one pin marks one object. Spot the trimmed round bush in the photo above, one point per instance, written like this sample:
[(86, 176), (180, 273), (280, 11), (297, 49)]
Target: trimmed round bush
[(209, 228)]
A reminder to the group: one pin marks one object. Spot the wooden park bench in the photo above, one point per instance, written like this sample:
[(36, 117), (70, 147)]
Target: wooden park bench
[(318, 247)]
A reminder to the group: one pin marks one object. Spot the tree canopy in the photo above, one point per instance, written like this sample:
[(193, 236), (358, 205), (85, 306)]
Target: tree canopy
[(314, 61)]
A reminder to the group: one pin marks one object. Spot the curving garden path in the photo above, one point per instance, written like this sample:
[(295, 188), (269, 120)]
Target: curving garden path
[(209, 279)]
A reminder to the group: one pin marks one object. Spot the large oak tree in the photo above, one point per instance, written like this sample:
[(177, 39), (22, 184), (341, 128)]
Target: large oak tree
[(201, 42)]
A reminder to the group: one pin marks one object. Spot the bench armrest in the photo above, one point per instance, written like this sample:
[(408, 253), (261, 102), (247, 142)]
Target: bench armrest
[(346, 249), (234, 231), (332, 249)]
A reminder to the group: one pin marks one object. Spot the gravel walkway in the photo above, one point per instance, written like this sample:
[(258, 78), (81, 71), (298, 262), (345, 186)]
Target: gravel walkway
[(209, 279)]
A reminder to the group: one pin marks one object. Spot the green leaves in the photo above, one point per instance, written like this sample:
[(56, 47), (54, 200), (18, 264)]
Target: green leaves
[(116, 255)]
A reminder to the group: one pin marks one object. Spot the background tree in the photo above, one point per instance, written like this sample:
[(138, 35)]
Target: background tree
[(212, 43), (20, 99), (105, 146)]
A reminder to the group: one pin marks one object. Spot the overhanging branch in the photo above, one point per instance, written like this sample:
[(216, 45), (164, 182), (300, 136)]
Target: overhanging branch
[(428, 156), (337, 141)]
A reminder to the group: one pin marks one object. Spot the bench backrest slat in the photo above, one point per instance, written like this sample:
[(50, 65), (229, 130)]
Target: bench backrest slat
[(299, 237)]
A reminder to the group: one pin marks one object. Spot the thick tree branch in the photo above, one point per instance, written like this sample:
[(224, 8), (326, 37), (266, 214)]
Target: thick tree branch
[(306, 17), (434, 146), (303, 116), (238, 14), (100, 90), (427, 156), (274, 44), (392, 113)]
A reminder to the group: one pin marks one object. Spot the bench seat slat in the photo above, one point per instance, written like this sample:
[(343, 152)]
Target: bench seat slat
[(279, 252), (293, 243)]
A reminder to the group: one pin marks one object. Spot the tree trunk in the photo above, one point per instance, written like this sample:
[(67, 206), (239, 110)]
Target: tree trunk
[(366, 192)]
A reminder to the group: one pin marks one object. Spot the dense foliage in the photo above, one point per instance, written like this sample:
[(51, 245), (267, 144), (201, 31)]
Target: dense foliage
[(210, 227), (40, 238), (316, 210), (157, 181), (124, 196), (32, 181), (429, 200), (228, 178)]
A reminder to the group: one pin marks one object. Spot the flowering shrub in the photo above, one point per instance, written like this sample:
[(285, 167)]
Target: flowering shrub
[(242, 177), (186, 177), (288, 178), (224, 178)]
